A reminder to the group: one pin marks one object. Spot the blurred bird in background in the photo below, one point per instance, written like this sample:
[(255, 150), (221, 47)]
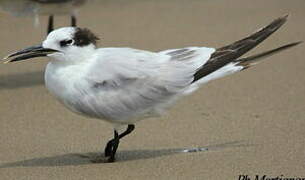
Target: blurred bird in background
[(43, 7)]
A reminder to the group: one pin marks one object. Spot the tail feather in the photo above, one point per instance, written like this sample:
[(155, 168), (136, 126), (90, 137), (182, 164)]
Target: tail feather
[(252, 60), (230, 53)]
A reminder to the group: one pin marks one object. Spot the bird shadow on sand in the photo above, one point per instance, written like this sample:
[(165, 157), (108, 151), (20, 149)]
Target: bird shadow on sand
[(20, 80), (76, 159)]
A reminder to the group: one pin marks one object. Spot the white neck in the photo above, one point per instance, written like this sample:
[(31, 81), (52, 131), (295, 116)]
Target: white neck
[(74, 55)]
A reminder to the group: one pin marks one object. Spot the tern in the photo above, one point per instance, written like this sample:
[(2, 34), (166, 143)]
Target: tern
[(125, 85)]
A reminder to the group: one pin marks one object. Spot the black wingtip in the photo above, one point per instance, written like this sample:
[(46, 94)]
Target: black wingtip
[(286, 16), (233, 51), (296, 43), (277, 23), (283, 18), (252, 60)]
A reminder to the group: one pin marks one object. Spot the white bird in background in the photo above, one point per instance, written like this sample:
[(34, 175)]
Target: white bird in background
[(125, 85), (43, 7)]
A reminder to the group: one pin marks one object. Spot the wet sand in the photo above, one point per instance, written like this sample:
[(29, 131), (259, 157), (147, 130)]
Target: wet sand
[(251, 122)]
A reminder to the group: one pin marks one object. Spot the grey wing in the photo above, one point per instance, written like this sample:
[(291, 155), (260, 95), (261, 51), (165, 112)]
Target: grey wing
[(142, 87), (124, 99)]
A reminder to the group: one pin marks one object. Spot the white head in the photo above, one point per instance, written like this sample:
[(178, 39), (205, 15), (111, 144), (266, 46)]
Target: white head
[(67, 44)]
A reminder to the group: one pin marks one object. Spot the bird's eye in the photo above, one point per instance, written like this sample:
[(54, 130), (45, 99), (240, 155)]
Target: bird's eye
[(66, 42)]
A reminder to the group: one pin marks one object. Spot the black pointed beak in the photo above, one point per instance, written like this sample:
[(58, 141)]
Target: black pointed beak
[(27, 53)]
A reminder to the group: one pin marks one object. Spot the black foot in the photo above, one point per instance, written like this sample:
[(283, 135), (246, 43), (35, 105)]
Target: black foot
[(109, 147), (50, 24), (113, 144), (73, 21)]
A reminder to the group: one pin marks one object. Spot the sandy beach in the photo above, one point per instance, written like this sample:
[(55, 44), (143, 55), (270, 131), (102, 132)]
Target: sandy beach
[(251, 123)]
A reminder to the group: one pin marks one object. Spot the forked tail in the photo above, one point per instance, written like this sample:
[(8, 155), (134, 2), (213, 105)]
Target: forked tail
[(231, 54)]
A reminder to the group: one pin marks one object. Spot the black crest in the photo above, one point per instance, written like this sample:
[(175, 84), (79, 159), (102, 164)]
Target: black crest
[(84, 36)]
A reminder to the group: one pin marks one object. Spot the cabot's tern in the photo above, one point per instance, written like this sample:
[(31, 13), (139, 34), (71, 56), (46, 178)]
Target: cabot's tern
[(125, 85)]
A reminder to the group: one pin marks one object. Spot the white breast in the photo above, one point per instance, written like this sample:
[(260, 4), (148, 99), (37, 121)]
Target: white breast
[(63, 82), (72, 86)]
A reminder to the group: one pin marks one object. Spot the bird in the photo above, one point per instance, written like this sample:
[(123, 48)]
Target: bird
[(71, 11), (43, 7), (122, 85)]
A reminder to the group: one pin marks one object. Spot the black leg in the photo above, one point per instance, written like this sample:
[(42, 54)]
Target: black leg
[(113, 144), (108, 148), (129, 129), (50, 24), (73, 21)]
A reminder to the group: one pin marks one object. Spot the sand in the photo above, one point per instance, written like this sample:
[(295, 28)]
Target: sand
[(252, 122)]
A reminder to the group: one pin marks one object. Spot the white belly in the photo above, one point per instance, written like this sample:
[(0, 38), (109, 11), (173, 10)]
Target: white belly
[(77, 94)]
